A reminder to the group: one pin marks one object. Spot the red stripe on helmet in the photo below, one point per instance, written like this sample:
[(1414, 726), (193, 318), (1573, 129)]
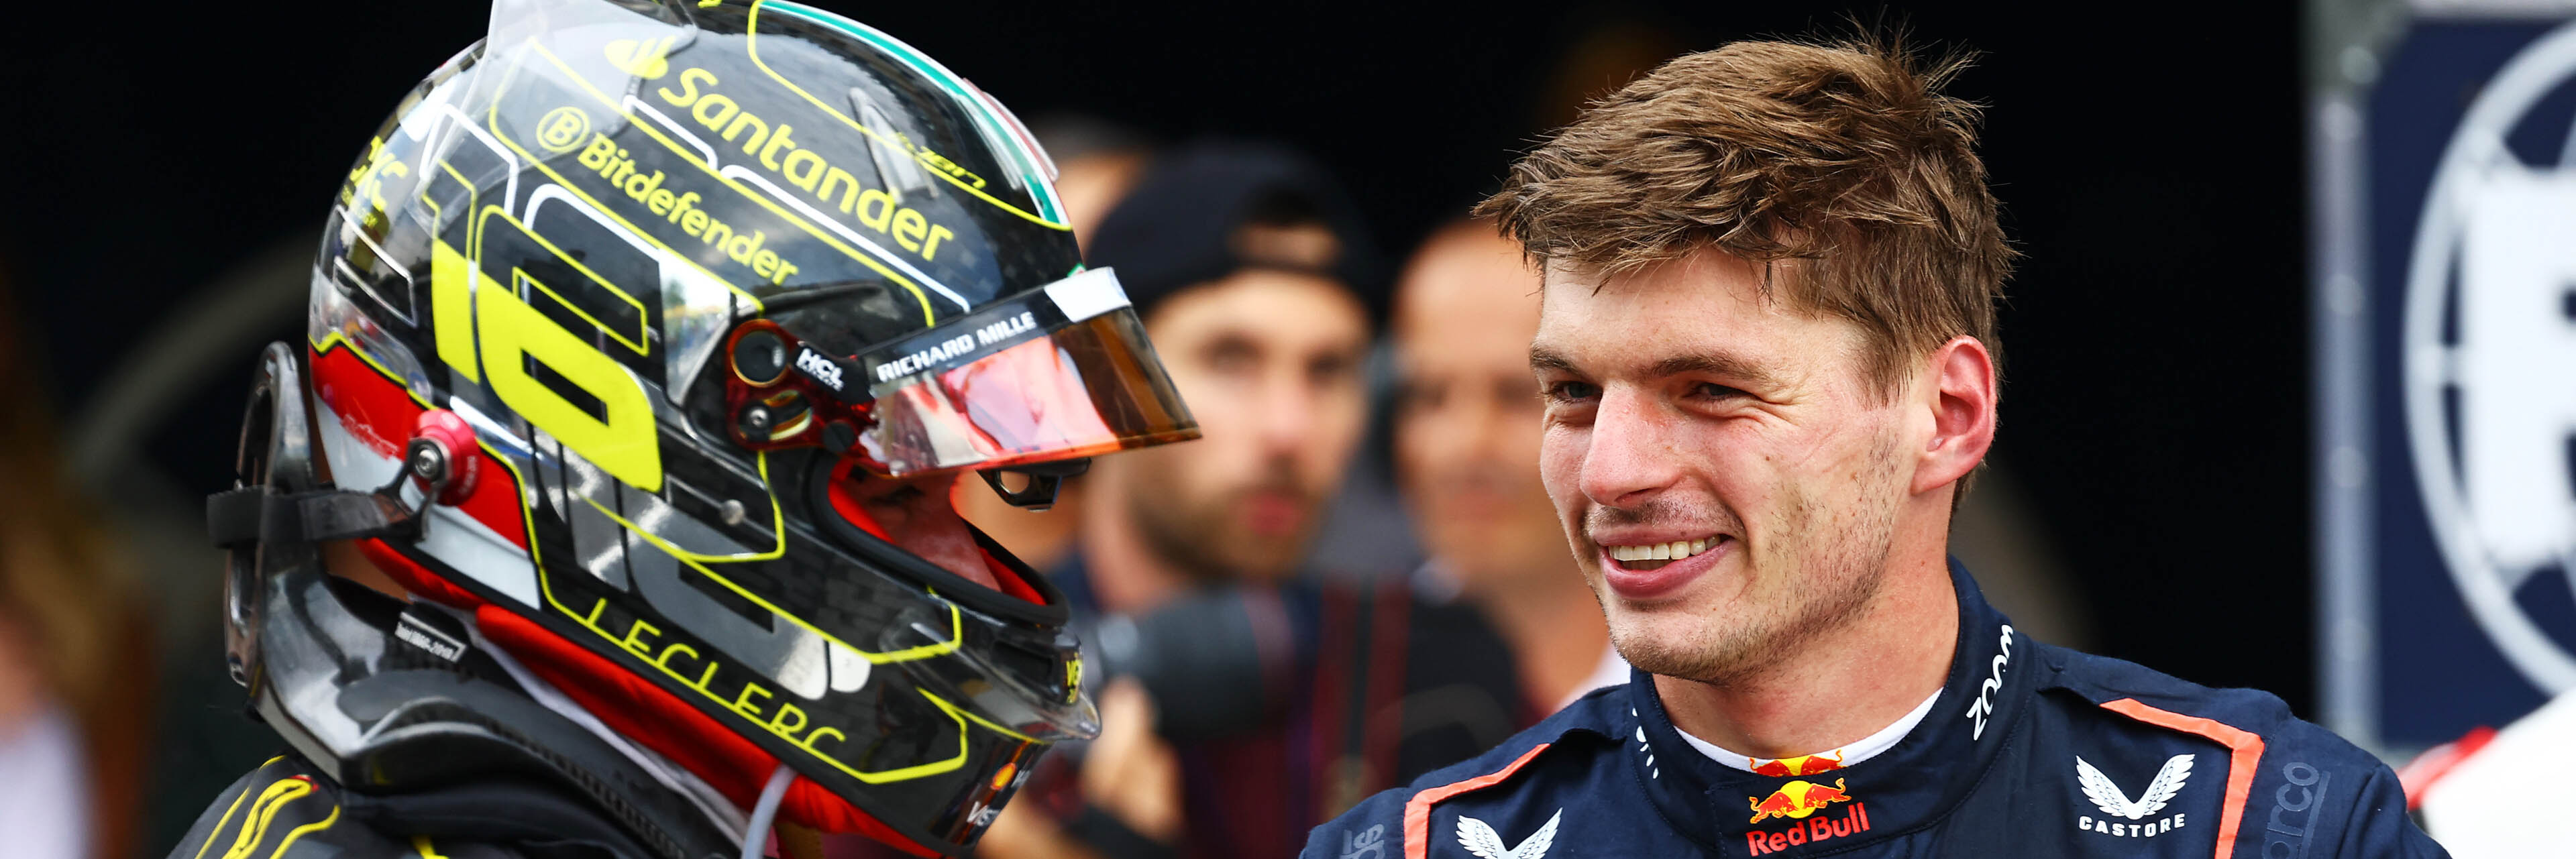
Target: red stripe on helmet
[(643, 712), (416, 578), (380, 411)]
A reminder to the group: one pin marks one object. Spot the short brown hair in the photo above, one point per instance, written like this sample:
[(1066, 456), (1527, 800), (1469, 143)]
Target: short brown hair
[(1843, 159)]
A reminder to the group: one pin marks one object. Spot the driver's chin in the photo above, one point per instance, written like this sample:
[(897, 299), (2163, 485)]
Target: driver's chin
[(949, 545), (1681, 633), (919, 516), (1703, 645)]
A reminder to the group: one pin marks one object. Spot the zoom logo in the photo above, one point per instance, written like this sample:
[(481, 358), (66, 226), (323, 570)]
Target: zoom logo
[(1985, 704)]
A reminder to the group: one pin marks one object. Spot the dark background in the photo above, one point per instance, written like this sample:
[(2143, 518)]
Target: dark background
[(2149, 168)]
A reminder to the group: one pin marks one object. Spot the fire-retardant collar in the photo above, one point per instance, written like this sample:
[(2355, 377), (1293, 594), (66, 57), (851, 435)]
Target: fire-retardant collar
[(1807, 800)]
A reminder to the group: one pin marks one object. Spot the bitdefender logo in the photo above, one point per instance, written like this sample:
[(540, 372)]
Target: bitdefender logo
[(2116, 805)]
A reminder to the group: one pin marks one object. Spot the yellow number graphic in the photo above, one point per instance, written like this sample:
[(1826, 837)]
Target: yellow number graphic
[(624, 444)]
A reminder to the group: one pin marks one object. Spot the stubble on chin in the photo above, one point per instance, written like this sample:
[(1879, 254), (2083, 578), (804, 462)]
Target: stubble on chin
[(1199, 538), (1791, 600)]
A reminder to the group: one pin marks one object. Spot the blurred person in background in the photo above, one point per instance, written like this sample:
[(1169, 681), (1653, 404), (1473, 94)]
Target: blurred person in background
[(1260, 701), (1467, 441), (74, 652), (1251, 264), (1768, 354)]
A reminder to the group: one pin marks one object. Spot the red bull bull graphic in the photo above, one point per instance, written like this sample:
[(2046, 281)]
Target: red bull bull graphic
[(1801, 765), (1811, 830), (1797, 799)]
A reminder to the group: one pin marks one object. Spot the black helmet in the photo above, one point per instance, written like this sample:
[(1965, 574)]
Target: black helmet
[(603, 320)]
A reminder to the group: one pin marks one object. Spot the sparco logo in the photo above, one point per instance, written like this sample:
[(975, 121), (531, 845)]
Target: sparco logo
[(2294, 811), (2489, 334), (817, 366), (1985, 704), (1367, 843)]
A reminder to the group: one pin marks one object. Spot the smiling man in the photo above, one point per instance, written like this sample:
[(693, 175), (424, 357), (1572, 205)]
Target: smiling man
[(1768, 364)]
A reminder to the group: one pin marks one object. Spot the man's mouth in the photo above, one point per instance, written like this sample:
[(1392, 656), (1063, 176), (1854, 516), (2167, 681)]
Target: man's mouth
[(1273, 513), (1652, 555)]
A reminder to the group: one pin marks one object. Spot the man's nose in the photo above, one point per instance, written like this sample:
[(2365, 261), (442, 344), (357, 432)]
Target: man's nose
[(1629, 456), (1288, 412), (1471, 428)]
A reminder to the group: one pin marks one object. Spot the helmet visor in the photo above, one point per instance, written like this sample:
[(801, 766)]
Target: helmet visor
[(1058, 372)]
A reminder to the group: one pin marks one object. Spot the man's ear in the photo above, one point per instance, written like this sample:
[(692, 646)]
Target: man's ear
[(1962, 396)]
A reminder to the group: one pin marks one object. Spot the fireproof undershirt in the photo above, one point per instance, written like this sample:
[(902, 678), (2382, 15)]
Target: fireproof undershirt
[(1848, 755)]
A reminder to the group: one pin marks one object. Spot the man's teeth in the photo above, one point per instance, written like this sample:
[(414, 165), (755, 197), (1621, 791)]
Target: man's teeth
[(1673, 551)]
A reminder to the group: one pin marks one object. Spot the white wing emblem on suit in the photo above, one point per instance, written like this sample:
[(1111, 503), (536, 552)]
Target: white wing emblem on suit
[(2109, 798), (1481, 839)]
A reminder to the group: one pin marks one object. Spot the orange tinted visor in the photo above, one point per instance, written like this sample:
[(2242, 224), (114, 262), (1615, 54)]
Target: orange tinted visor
[(1058, 372), (1090, 388)]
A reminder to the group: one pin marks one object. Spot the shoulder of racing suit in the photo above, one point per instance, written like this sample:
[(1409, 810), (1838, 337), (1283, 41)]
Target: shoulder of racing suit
[(2029, 750), (1555, 758), (275, 810), (291, 809), (456, 759), (2287, 787)]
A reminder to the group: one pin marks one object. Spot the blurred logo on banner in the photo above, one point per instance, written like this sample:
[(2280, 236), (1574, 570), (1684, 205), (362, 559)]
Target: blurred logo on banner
[(2490, 362)]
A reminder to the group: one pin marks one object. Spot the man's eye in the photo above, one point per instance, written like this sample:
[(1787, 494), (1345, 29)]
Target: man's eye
[(1569, 392), (1331, 369), (1419, 395), (1231, 357), (1714, 391)]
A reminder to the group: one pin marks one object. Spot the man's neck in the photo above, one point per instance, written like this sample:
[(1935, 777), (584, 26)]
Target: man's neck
[(1126, 575), (1555, 632), (1870, 674)]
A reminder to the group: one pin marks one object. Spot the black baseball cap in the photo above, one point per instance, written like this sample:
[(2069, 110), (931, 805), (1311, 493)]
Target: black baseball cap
[(1186, 221)]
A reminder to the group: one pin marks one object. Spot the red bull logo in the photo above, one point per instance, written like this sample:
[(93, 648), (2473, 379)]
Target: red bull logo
[(1801, 765), (1797, 799), (1810, 831)]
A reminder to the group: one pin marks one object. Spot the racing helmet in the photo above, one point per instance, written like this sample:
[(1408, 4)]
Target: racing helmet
[(609, 316)]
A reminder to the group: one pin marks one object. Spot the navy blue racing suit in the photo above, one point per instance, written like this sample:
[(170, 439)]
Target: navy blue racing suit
[(2030, 751)]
